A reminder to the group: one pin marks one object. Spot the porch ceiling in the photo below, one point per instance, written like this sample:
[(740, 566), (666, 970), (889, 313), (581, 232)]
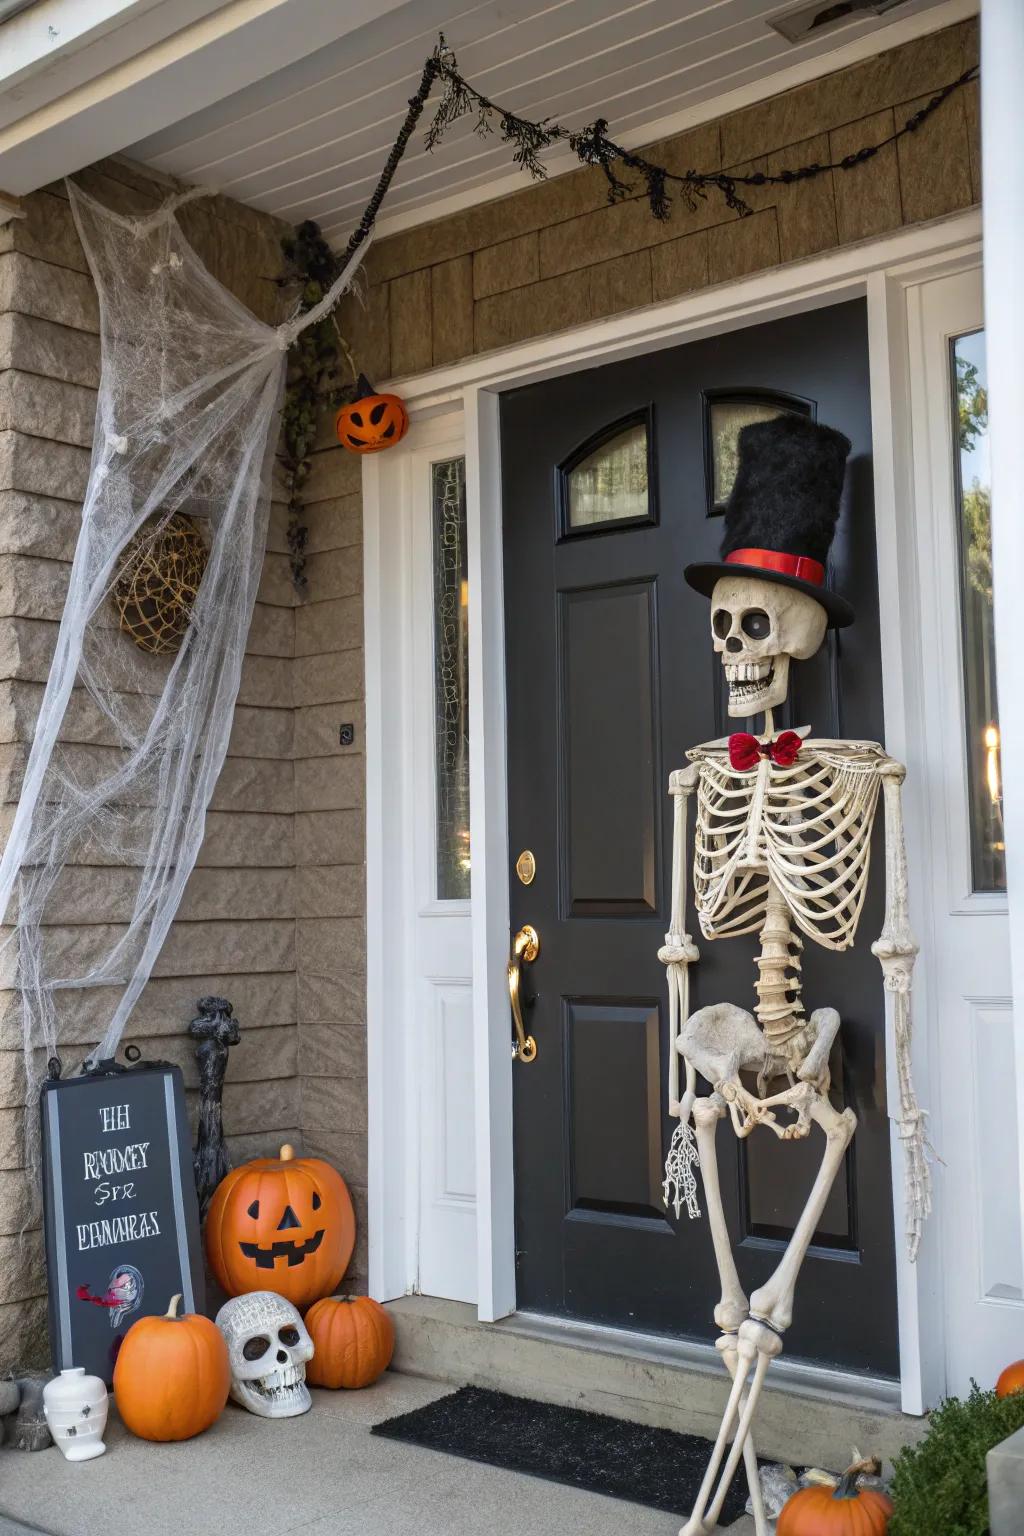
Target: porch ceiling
[(308, 140)]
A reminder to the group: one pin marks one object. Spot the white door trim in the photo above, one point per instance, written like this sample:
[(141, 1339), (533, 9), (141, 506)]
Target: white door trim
[(881, 270)]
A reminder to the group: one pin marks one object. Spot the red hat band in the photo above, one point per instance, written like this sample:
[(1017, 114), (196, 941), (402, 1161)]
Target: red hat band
[(800, 566)]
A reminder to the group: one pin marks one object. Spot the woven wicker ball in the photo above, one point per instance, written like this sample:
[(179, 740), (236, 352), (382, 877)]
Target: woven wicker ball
[(161, 569)]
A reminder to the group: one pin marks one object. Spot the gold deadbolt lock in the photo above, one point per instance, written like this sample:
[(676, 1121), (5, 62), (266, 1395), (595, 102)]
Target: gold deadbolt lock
[(526, 866)]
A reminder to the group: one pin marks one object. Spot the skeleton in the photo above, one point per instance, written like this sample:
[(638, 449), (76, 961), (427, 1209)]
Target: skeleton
[(268, 1347), (782, 850)]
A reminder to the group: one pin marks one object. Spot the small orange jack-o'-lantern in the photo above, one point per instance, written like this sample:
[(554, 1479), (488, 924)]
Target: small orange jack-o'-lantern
[(372, 422), (281, 1224)]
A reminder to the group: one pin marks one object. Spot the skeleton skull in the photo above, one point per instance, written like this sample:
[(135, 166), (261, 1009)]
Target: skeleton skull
[(268, 1346), (757, 626)]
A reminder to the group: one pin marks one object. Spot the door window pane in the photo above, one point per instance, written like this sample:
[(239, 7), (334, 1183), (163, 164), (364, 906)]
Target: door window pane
[(981, 704), (725, 415), (451, 677), (610, 484)]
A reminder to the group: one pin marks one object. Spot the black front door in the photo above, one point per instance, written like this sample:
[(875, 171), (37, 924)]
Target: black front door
[(611, 478)]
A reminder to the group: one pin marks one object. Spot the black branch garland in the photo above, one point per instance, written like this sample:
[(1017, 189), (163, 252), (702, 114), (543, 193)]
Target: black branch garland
[(592, 145), (313, 267)]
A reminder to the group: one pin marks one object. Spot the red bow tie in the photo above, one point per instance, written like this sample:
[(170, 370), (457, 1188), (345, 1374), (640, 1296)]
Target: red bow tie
[(745, 751)]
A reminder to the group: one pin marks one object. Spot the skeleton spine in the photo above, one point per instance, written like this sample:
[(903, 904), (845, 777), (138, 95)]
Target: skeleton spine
[(779, 1009)]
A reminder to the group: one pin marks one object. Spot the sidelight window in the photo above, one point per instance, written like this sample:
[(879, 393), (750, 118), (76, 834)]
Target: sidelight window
[(973, 502), (451, 677)]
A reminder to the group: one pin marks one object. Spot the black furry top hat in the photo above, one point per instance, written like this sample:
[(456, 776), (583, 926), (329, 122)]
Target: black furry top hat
[(781, 514)]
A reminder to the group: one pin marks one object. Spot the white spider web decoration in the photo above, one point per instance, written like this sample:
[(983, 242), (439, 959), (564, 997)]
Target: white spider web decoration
[(186, 421)]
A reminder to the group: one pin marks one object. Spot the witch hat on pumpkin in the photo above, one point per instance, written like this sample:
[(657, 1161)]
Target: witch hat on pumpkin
[(781, 515)]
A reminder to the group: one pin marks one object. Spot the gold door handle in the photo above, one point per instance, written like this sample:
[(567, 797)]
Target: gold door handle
[(525, 946)]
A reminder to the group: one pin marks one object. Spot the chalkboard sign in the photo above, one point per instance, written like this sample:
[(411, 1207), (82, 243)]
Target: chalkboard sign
[(121, 1217)]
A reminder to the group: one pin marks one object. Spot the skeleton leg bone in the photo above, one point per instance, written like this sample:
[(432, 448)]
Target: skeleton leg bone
[(731, 1358), (773, 1301), (704, 1518), (760, 1335), (732, 1309)]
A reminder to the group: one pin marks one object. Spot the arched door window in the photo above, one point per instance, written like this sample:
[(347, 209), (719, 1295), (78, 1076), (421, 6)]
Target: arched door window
[(608, 481), (726, 413)]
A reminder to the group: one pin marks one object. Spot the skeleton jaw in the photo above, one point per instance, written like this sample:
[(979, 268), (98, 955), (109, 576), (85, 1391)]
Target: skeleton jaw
[(755, 686), (279, 1395)]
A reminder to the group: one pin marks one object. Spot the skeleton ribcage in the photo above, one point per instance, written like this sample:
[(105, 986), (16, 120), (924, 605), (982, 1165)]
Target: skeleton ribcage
[(806, 827)]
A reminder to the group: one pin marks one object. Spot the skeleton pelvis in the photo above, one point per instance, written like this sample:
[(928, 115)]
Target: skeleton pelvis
[(723, 1041)]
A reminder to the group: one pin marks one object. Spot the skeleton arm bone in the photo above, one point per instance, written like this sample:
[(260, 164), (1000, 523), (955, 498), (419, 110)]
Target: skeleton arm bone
[(679, 951), (896, 949), (678, 954)]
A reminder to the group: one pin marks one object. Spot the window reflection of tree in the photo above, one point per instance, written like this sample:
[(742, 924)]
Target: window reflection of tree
[(981, 702)]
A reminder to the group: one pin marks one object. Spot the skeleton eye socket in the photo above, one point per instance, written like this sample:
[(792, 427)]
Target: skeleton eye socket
[(721, 623), (256, 1348), (288, 1335), (756, 624)]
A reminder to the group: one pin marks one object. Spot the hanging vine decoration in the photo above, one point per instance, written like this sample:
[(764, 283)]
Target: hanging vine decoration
[(314, 377), (592, 146)]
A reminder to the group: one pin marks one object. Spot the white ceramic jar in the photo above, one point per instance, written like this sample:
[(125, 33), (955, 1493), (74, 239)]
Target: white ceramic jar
[(75, 1406)]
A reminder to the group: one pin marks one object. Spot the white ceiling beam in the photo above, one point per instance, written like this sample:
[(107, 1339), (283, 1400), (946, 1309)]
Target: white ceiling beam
[(76, 106)]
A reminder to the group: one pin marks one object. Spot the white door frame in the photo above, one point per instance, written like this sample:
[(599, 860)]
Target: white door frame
[(881, 271)]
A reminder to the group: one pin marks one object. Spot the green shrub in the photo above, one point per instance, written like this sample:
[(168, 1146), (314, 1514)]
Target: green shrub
[(938, 1487)]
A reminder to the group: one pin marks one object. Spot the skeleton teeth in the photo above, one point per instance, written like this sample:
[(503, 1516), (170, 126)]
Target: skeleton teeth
[(749, 680)]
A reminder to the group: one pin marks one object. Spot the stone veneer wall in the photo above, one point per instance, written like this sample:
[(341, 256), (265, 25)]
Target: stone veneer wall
[(246, 917)]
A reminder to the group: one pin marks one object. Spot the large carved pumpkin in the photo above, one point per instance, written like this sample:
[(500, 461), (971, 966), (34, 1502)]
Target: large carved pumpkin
[(353, 1341), (281, 1224), (172, 1375), (842, 1511)]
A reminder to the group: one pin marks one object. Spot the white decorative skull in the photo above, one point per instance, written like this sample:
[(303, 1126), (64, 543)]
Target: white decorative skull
[(757, 626), (268, 1346)]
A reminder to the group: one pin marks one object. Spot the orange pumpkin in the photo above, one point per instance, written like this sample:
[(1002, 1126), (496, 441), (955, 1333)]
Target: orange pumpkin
[(353, 1339), (172, 1375), (372, 422), (281, 1224), (1011, 1380), (845, 1510)]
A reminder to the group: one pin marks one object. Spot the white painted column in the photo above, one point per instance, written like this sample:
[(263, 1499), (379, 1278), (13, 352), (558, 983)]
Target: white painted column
[(1002, 135)]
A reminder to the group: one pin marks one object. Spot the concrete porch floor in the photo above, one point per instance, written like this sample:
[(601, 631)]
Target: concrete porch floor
[(323, 1475)]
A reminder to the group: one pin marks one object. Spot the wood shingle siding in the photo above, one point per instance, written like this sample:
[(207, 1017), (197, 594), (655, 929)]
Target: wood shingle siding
[(557, 254)]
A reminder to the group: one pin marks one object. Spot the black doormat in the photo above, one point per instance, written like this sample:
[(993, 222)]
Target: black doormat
[(567, 1445)]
